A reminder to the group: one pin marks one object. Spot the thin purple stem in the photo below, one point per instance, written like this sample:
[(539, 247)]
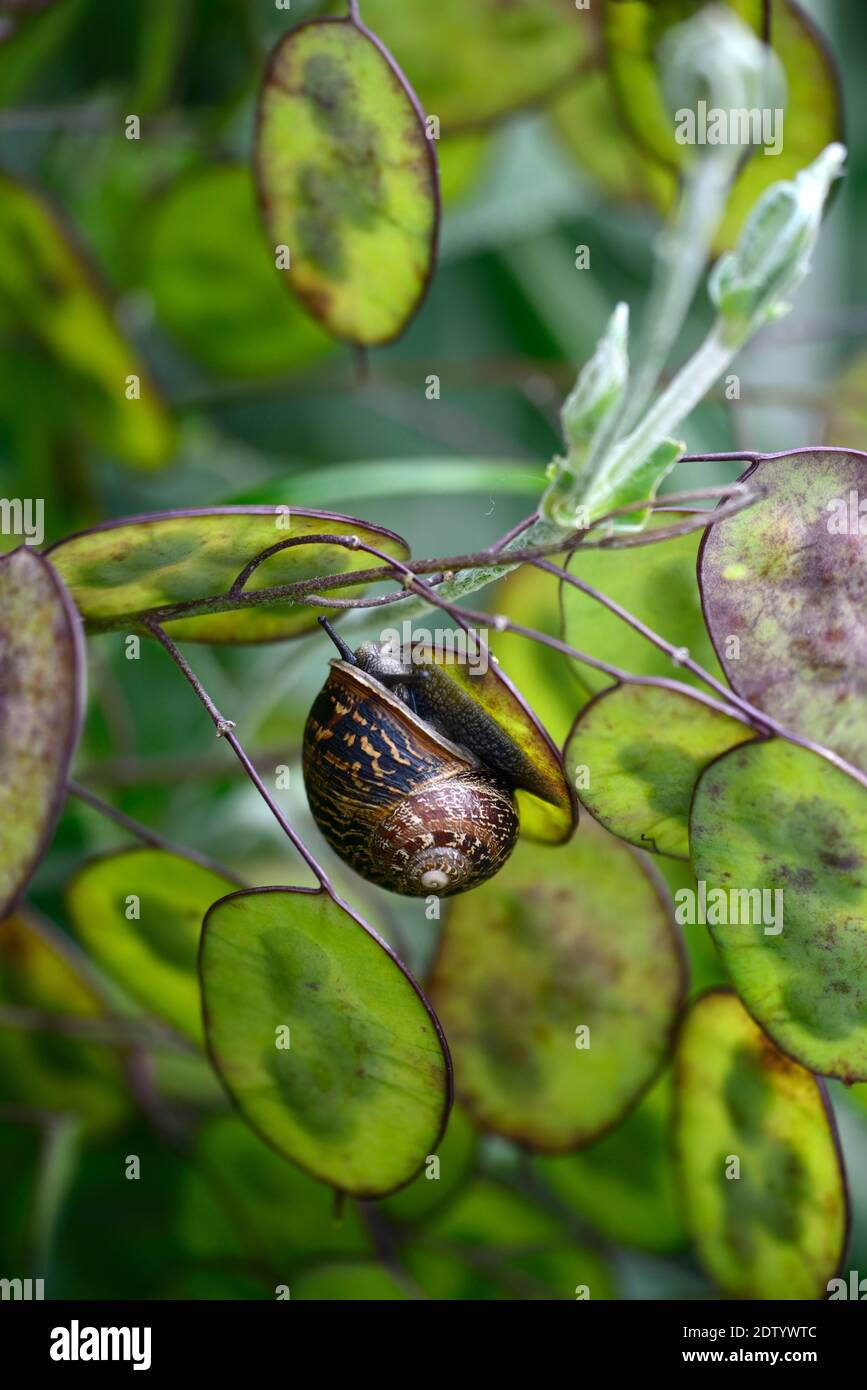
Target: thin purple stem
[(148, 836), (413, 583), (326, 538), (386, 1243), (235, 599), (480, 619), (225, 728), (698, 521), (106, 1029), (737, 456), (678, 655), (762, 722), (515, 532), (736, 707), (556, 644)]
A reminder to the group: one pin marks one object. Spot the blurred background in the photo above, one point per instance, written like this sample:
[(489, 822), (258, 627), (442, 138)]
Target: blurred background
[(247, 399)]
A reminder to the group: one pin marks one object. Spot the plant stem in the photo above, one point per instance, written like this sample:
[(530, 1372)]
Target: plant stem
[(483, 567), (387, 1246), (148, 836), (616, 673), (683, 255), (128, 771), (682, 252), (543, 539), (503, 624), (682, 394), (60, 1148), (736, 707), (680, 397), (111, 1031), (678, 655), (225, 730), (697, 521)]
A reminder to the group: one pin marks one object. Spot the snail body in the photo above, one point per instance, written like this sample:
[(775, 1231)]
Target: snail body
[(407, 806)]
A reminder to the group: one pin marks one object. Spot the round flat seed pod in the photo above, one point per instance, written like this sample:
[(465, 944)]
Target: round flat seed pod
[(347, 180), (759, 1166), (778, 846), (324, 1042), (559, 986)]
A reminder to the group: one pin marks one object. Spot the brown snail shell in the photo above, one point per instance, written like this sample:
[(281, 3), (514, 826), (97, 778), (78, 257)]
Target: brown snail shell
[(398, 801)]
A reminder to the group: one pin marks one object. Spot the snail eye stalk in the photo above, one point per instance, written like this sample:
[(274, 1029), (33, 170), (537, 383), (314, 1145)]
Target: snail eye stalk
[(345, 651)]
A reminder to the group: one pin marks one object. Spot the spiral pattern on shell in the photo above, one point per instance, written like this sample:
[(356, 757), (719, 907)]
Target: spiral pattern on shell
[(406, 808), (451, 835)]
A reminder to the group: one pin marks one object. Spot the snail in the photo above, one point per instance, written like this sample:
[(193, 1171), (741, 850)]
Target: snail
[(409, 778)]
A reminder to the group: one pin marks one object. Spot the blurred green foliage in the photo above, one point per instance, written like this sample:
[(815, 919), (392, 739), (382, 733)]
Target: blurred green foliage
[(144, 257)]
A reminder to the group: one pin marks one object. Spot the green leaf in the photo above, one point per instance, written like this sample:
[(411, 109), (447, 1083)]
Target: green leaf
[(474, 63), (124, 569), (49, 292), (367, 479), (623, 486), (31, 36), (583, 488), (347, 180), (786, 826), (581, 940), (751, 284), (139, 914), (779, 1229), (625, 1184), (598, 390), (163, 33), (41, 703), (42, 1068), (657, 584), (812, 117), (784, 585), (493, 1244), (214, 283), (360, 1096), (640, 750)]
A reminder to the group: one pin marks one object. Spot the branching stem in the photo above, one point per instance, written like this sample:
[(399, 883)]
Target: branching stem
[(735, 707), (491, 563)]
